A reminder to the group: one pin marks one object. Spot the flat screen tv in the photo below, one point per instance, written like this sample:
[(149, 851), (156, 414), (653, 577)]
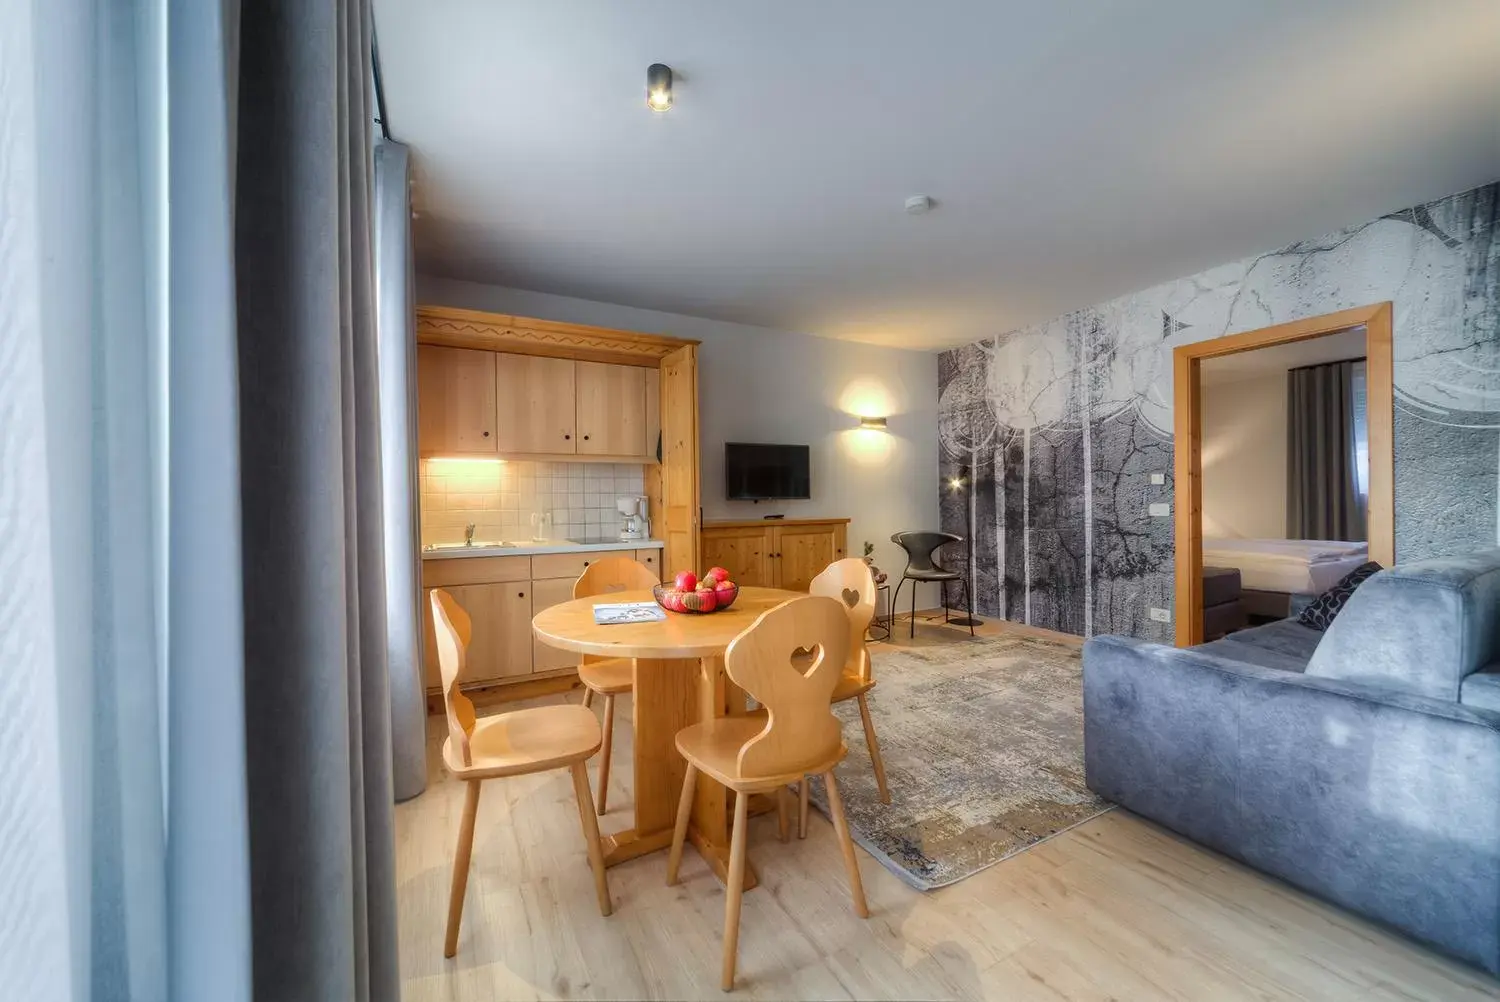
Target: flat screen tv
[(757, 472)]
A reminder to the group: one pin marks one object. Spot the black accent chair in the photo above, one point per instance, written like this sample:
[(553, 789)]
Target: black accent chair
[(921, 566)]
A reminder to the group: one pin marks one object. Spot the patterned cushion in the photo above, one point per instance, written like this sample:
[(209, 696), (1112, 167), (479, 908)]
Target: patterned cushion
[(1320, 614)]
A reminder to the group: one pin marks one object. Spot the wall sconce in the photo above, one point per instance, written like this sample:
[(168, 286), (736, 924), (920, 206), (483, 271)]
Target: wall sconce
[(872, 423), (659, 87)]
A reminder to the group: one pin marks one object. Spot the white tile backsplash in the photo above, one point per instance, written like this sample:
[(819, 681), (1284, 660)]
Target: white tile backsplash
[(499, 498)]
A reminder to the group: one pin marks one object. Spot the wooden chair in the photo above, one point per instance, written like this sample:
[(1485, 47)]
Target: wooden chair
[(794, 734), (609, 676), (851, 583), (508, 744)]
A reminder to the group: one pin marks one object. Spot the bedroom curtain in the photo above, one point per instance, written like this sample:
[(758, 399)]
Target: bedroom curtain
[(196, 758), (317, 699), (1325, 410)]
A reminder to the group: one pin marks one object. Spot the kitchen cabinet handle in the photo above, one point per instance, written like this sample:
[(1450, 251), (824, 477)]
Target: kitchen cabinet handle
[(585, 438), (486, 434), (567, 436), (520, 594), (585, 563)]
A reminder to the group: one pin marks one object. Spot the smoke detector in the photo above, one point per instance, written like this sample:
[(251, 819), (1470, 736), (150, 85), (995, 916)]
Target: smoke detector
[(918, 204)]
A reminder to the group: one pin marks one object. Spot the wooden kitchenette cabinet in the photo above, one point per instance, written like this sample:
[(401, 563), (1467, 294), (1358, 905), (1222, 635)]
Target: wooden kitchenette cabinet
[(501, 595), (775, 553), (456, 387), (536, 404), (520, 388), (611, 411)]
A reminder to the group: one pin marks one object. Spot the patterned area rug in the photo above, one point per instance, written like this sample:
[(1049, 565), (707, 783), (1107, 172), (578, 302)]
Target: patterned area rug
[(983, 747)]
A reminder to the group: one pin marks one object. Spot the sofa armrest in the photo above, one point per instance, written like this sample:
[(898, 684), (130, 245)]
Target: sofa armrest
[(1481, 690), (1379, 800)]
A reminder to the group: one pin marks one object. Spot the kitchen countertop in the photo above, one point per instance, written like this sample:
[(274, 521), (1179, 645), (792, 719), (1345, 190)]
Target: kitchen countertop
[(531, 548)]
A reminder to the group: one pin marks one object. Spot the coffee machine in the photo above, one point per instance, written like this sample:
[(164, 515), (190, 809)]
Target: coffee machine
[(637, 525)]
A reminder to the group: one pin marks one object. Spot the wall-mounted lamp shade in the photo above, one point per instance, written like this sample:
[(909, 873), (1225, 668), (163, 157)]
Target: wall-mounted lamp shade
[(873, 423), (658, 87)]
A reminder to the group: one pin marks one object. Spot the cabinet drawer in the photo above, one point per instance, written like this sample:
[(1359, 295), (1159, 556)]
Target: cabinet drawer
[(563, 565), (652, 559), (474, 570)]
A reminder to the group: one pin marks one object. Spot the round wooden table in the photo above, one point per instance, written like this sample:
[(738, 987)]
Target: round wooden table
[(679, 680)]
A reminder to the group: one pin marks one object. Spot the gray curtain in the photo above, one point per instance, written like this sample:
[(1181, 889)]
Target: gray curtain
[(317, 705), (1323, 499), (398, 439)]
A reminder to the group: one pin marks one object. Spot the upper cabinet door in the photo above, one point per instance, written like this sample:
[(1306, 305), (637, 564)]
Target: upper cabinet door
[(535, 409), (673, 485), (455, 401), (611, 409)]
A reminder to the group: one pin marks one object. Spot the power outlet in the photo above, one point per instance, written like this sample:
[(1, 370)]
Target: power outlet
[(1161, 615), (1158, 480), (1160, 509)]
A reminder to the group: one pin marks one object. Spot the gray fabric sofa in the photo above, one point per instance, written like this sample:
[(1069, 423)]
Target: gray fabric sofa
[(1361, 764)]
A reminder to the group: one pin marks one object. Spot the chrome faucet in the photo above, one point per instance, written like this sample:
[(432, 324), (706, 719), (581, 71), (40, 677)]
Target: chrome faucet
[(469, 534)]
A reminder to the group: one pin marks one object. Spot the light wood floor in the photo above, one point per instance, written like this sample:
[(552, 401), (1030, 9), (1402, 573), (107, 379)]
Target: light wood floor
[(1115, 908)]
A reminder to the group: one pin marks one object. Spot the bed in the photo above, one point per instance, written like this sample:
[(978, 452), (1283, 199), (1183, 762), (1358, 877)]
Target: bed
[(1273, 570)]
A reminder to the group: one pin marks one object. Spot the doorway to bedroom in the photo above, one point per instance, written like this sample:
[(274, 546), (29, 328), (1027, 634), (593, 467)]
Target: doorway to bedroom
[(1284, 467)]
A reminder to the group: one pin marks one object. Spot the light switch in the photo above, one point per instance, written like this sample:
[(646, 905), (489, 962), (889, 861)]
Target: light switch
[(1158, 479), (1161, 509)]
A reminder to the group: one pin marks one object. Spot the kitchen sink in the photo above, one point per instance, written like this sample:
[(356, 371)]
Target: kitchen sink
[(497, 545), (476, 545)]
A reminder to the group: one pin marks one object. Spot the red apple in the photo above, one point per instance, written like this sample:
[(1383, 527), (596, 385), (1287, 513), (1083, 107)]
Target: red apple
[(707, 601), (686, 581), (717, 573), (674, 601), (725, 585)]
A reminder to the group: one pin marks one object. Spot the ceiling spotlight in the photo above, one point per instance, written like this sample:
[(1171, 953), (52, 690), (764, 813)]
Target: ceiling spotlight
[(659, 87), (918, 204)]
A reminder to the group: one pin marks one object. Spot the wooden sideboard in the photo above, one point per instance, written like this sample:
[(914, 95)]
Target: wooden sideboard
[(775, 553)]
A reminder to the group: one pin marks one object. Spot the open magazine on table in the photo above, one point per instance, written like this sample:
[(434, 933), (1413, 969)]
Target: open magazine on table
[(613, 613)]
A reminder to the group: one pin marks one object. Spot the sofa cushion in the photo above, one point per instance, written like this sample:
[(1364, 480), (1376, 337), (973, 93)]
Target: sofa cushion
[(1321, 611), (1285, 645), (1482, 689), (1420, 627)]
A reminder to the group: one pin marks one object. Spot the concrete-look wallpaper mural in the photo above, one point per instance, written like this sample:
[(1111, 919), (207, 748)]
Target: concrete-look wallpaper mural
[(1064, 423)]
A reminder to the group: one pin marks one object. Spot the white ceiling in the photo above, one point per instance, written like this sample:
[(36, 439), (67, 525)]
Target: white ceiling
[(1077, 151), (1278, 358)]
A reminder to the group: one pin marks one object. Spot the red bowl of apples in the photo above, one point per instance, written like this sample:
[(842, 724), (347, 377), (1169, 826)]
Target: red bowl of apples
[(688, 593)]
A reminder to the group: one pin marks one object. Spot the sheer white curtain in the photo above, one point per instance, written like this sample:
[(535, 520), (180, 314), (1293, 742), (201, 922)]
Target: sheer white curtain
[(113, 696), (190, 807)]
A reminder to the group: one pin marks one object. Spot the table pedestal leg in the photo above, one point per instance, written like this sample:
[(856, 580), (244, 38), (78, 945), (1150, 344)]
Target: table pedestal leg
[(665, 701)]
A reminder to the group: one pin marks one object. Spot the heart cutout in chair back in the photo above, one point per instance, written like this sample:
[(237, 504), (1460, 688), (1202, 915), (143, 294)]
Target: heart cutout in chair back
[(851, 597)]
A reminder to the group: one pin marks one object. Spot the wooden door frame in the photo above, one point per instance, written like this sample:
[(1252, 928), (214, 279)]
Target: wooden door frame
[(1187, 401)]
